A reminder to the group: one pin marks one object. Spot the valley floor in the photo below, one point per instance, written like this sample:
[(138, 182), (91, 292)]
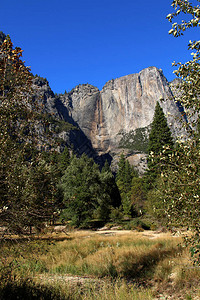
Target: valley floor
[(103, 264)]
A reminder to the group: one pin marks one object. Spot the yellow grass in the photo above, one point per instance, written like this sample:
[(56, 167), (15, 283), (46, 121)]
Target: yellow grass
[(118, 263), (121, 255)]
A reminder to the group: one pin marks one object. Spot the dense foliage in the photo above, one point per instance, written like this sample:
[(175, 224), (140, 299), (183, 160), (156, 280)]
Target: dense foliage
[(179, 185), (26, 181), (88, 193), (124, 177)]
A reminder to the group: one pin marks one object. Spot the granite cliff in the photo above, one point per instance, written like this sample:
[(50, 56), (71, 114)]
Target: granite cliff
[(115, 119), (118, 118)]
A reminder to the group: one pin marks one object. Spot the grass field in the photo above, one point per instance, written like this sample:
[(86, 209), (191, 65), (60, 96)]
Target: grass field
[(98, 265)]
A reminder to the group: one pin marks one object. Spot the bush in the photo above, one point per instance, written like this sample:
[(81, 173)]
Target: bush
[(116, 214), (137, 224)]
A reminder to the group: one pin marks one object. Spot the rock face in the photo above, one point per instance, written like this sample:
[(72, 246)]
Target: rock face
[(119, 117), (53, 106), (129, 103), (116, 119)]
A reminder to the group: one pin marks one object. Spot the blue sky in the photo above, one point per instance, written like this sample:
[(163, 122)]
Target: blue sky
[(93, 41)]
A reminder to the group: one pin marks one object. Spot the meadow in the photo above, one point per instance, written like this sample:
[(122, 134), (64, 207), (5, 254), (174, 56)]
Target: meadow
[(98, 265)]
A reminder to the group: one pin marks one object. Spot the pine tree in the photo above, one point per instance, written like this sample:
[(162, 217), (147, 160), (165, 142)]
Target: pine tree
[(159, 137), (121, 169), (106, 167), (64, 160)]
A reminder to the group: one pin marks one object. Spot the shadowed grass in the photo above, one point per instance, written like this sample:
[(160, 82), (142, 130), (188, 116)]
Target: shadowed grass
[(28, 289)]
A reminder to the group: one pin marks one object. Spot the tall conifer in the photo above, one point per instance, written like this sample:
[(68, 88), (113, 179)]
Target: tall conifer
[(159, 137)]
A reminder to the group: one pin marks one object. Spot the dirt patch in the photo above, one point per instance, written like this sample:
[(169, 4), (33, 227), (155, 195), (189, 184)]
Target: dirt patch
[(147, 233), (69, 279)]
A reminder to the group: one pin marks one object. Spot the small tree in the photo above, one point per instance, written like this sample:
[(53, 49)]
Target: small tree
[(64, 160), (138, 196)]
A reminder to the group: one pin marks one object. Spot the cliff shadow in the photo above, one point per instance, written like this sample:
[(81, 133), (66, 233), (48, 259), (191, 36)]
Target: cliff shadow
[(77, 138)]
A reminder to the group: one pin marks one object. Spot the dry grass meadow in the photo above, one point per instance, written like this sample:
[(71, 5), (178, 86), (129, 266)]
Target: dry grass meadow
[(99, 265)]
